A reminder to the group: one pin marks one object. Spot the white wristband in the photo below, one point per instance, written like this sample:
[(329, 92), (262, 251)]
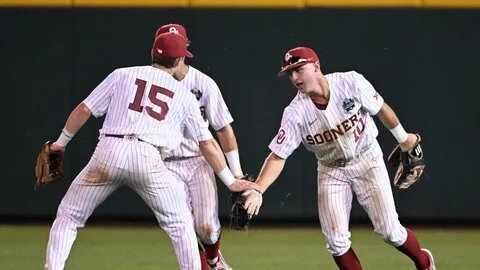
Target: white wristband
[(64, 137), (399, 133), (233, 159), (226, 176)]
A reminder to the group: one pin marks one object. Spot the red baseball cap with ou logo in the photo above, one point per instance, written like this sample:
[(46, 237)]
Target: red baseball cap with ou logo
[(171, 45), (173, 28), (296, 57)]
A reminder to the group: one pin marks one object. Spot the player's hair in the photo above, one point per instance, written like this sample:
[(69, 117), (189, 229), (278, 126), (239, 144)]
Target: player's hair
[(165, 61)]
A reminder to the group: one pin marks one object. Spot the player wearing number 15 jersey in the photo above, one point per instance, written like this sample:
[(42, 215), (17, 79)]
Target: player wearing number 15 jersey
[(146, 111)]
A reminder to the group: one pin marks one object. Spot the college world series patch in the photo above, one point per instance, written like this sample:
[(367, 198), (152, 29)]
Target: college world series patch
[(348, 104), (198, 93)]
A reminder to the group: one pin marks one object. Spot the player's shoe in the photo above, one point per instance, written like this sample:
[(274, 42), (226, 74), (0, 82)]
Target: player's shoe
[(221, 263), (430, 259)]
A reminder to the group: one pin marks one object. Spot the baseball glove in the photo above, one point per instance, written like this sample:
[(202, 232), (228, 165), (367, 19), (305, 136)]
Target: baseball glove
[(49, 166), (409, 165), (239, 218)]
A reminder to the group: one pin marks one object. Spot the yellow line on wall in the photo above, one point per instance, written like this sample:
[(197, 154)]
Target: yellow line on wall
[(21, 3), (363, 3), (452, 3), (131, 3), (248, 3), (245, 3)]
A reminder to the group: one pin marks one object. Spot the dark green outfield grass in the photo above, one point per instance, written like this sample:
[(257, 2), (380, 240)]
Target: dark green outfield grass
[(127, 248)]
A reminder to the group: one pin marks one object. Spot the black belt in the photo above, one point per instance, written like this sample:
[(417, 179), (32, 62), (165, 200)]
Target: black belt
[(129, 137), (178, 158)]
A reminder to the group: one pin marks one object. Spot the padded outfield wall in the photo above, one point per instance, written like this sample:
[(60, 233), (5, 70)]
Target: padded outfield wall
[(423, 61)]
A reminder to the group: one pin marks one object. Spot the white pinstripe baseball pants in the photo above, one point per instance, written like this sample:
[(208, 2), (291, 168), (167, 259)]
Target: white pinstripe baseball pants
[(367, 176), (202, 191), (117, 162)]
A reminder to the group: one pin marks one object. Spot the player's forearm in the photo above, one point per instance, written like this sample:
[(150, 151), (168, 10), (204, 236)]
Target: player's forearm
[(390, 120), (213, 154), (75, 121), (227, 140), (78, 118), (271, 169), (388, 117)]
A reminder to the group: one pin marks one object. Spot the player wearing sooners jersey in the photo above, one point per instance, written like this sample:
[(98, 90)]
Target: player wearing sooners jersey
[(188, 163), (331, 116), (145, 110)]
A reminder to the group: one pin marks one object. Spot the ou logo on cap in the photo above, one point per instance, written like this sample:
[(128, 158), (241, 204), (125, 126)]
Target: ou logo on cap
[(288, 56), (173, 30)]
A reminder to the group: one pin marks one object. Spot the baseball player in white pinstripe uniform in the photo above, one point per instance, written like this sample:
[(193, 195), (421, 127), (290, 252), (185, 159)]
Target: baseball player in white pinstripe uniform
[(331, 116), (189, 164), (146, 111)]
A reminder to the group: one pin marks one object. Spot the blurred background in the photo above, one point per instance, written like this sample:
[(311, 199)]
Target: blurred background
[(421, 55)]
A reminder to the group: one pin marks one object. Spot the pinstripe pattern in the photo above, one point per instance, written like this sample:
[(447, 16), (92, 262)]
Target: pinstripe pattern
[(202, 190), (367, 177), (188, 163), (343, 138), (127, 161)]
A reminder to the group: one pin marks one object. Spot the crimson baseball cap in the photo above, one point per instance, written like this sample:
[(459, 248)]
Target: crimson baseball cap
[(296, 57), (171, 45), (172, 28)]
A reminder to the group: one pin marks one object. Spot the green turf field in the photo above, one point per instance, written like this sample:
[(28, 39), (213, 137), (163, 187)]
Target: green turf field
[(127, 248)]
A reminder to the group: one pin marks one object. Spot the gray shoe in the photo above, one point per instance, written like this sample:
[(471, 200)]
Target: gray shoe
[(222, 264), (430, 259)]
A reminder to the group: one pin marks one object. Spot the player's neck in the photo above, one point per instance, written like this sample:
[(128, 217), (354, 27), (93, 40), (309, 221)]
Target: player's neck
[(170, 71), (321, 94), (181, 72)]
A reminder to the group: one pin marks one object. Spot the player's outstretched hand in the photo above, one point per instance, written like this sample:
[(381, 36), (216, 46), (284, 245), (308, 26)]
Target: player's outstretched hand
[(409, 143), (242, 185), (253, 201)]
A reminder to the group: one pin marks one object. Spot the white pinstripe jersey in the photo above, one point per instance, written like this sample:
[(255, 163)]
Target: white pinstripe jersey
[(341, 131), (212, 106), (147, 102)]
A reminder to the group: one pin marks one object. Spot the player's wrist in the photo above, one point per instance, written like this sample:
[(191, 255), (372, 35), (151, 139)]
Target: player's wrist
[(233, 159), (257, 191), (261, 189), (399, 133), (64, 138), (250, 191), (226, 176)]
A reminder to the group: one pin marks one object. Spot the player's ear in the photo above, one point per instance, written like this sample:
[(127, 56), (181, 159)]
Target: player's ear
[(317, 66)]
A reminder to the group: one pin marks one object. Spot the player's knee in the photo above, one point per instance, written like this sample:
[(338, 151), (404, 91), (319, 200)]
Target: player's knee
[(395, 236), (65, 214)]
